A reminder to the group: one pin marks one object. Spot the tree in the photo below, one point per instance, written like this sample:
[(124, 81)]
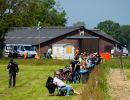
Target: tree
[(125, 29), (113, 29), (27, 13), (3, 24), (33, 11), (79, 23), (30, 12), (3, 30)]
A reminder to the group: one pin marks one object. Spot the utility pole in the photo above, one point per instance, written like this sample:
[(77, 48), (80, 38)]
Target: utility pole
[(38, 28)]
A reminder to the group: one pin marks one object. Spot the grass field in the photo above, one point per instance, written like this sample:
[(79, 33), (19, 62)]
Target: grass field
[(33, 74), (31, 80)]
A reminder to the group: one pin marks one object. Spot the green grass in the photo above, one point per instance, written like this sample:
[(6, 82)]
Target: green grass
[(33, 75), (31, 80), (97, 87), (115, 63), (36, 62)]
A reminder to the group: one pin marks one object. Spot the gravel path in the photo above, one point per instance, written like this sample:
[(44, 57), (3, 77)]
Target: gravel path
[(119, 88)]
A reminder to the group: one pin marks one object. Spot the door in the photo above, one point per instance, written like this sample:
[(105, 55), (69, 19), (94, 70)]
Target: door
[(90, 45)]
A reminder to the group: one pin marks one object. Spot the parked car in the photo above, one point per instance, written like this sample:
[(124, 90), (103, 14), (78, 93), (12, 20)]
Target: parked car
[(125, 51), (18, 50)]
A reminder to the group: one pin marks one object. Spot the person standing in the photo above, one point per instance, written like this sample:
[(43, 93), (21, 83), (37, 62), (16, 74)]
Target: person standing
[(13, 69), (75, 68), (49, 52)]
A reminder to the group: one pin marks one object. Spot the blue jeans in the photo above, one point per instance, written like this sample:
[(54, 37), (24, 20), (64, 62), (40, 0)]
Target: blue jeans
[(66, 88), (74, 76)]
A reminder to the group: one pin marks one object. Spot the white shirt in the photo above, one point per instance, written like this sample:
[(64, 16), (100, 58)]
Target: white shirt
[(112, 51), (58, 82), (49, 50)]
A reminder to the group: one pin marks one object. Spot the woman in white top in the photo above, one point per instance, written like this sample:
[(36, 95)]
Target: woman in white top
[(62, 86)]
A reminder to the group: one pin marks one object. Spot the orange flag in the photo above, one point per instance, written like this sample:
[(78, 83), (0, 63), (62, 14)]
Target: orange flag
[(107, 56)]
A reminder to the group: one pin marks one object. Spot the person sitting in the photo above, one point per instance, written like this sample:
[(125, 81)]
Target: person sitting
[(62, 86), (83, 67), (84, 70), (90, 62)]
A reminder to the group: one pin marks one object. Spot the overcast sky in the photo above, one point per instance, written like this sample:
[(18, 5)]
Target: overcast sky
[(94, 11)]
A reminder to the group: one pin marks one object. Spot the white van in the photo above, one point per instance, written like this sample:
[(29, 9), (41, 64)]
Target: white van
[(20, 49), (8, 49), (125, 51)]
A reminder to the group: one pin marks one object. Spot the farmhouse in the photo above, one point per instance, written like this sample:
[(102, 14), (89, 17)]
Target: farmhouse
[(90, 40)]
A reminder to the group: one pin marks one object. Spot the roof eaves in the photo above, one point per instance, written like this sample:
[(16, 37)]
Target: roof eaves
[(103, 34)]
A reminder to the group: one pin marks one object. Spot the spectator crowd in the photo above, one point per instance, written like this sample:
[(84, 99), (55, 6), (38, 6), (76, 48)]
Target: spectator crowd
[(77, 71)]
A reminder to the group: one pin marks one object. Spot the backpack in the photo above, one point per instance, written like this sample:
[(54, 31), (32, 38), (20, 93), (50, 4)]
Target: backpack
[(50, 86)]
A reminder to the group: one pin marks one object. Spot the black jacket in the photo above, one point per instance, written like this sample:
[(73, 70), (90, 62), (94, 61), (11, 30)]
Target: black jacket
[(13, 67)]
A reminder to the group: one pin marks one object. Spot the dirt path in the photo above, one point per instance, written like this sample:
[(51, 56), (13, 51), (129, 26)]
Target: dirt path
[(119, 88)]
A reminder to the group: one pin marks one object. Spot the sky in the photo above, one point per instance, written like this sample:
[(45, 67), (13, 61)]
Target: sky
[(92, 12)]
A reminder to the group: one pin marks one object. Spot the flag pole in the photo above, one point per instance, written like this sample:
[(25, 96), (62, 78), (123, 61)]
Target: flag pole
[(39, 35)]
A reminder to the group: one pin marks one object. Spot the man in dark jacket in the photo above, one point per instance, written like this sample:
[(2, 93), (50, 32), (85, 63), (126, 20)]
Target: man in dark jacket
[(75, 67), (13, 69)]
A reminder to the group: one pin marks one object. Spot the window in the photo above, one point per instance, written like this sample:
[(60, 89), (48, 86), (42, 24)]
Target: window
[(9, 47)]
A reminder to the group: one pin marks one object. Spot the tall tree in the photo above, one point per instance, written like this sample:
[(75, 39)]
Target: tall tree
[(113, 29), (3, 24), (27, 13), (125, 29), (44, 11)]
